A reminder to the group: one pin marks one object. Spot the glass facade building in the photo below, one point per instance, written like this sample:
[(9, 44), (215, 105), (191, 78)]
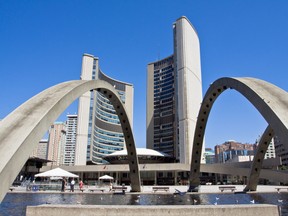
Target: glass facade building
[(100, 133), (164, 106)]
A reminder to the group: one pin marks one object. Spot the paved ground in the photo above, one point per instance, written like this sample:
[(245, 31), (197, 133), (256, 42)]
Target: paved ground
[(215, 188), (149, 189)]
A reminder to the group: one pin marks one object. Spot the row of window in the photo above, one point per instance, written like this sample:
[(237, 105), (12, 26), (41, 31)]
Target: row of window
[(159, 98), (106, 143), (161, 106), (164, 92), (168, 61), (167, 87), (106, 109), (164, 108), (101, 99), (105, 149), (165, 131), (100, 117), (164, 76), (113, 139), (109, 133), (163, 84), (163, 71), (163, 81), (164, 114)]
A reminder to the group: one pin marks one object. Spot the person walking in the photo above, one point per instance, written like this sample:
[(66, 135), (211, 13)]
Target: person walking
[(72, 183), (63, 185), (81, 185)]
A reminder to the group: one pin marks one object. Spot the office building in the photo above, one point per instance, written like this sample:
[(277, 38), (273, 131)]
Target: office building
[(174, 95), (230, 151), (56, 141), (99, 131), (70, 143)]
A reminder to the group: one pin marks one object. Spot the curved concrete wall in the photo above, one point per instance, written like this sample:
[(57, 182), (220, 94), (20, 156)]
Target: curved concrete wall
[(268, 99), (22, 129)]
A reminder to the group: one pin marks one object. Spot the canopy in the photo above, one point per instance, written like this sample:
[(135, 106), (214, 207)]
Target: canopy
[(106, 177), (57, 172)]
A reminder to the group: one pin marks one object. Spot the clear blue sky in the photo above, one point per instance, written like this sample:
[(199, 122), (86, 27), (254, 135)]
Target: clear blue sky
[(42, 43)]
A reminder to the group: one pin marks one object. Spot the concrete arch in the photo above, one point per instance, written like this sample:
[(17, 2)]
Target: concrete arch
[(22, 129), (258, 159), (268, 99)]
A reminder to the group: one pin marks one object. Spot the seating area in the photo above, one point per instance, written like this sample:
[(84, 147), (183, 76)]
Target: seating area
[(231, 188), (119, 188), (163, 188), (92, 189)]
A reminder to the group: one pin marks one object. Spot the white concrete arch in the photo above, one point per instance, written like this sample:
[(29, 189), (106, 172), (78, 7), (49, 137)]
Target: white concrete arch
[(268, 99), (22, 129), (258, 159)]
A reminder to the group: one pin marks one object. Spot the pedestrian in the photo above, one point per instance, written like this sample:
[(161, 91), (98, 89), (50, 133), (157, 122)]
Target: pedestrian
[(63, 185), (72, 183), (81, 185), (110, 186)]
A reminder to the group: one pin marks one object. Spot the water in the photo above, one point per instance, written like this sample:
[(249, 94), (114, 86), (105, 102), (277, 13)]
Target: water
[(14, 204)]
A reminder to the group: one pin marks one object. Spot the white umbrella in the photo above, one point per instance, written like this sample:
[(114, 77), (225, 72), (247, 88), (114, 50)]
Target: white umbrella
[(57, 172), (106, 177)]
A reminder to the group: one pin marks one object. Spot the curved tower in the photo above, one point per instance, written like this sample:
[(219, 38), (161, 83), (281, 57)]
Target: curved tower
[(174, 95), (99, 131)]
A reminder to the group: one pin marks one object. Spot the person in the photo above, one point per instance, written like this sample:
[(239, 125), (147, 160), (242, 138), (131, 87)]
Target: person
[(110, 186), (81, 185), (72, 183), (63, 185)]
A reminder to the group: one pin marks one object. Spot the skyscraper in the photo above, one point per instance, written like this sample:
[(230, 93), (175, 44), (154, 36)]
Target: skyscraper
[(70, 143), (174, 95), (99, 131), (56, 140)]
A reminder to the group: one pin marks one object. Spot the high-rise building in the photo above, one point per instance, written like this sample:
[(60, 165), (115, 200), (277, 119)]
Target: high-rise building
[(174, 95), (99, 131), (70, 143), (56, 141)]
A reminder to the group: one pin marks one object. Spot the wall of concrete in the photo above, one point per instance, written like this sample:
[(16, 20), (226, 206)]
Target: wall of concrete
[(199, 210)]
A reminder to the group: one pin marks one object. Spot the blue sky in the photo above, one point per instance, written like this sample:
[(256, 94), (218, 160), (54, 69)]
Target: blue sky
[(42, 43)]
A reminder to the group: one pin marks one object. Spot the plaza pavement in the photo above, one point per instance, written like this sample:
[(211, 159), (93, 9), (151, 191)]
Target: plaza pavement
[(172, 188), (215, 188)]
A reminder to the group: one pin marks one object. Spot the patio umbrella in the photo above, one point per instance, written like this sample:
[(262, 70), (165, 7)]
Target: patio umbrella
[(57, 172), (106, 177)]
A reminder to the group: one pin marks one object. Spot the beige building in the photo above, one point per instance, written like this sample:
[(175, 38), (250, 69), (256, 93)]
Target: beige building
[(57, 136)]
